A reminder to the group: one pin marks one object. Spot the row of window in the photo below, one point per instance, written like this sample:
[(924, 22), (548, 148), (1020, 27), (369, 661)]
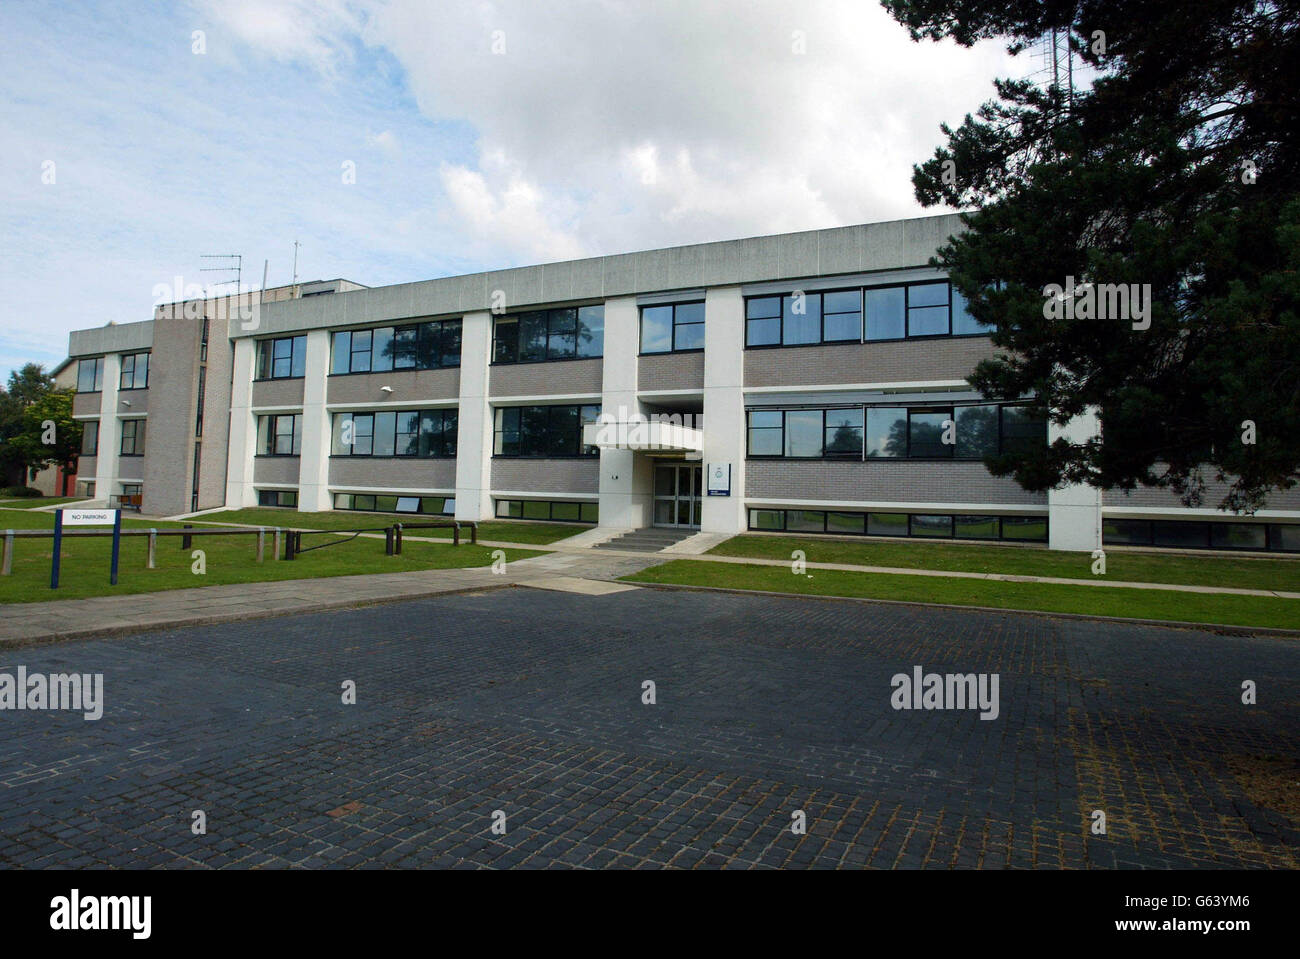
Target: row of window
[(571, 333), (132, 438), (384, 503), (1194, 534), (134, 373), (553, 510), (672, 329), (543, 430), (1021, 529), (859, 315), (282, 358), (427, 433), (964, 432), (432, 345)]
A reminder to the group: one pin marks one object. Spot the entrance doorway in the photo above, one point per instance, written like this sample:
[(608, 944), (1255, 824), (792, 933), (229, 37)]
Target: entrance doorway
[(677, 496)]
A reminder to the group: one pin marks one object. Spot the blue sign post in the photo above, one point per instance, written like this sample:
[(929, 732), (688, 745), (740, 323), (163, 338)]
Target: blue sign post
[(85, 517)]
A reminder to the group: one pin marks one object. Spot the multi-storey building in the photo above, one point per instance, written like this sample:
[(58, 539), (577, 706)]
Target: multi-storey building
[(811, 382)]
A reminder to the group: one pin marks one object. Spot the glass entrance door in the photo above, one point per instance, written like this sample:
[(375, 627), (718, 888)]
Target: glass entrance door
[(677, 496)]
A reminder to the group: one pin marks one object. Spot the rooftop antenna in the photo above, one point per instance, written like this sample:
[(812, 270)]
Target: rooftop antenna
[(234, 263), (296, 244)]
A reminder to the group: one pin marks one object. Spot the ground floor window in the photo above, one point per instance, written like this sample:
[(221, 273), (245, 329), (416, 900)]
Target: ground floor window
[(1199, 534), (392, 503), (556, 511), (277, 497), (1027, 529)]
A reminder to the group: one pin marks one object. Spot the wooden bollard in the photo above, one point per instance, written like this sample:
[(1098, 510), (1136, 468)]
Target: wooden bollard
[(186, 539), (261, 543), (153, 546), (7, 565), (275, 552)]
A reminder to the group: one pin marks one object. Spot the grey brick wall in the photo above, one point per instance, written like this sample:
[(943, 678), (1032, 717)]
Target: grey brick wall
[(216, 422), (277, 393), (412, 385), (86, 468), (139, 399), (898, 482), (275, 469), (1152, 498), (546, 475), (545, 379), (671, 371), (900, 361), (171, 401), (400, 473), (85, 404)]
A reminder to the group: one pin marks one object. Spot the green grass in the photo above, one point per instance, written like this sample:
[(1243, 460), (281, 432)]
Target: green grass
[(495, 530), (35, 502), (1240, 572), (1165, 605), (228, 559)]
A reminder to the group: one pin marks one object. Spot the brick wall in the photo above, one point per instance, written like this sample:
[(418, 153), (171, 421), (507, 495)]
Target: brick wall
[(895, 482), (545, 379), (365, 472), (900, 361), (671, 371), (546, 475)]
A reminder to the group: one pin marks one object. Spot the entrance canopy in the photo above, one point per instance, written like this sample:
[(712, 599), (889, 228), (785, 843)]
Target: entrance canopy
[(661, 433)]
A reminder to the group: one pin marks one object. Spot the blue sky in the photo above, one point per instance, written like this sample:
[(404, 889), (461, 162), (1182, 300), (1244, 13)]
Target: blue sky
[(483, 135)]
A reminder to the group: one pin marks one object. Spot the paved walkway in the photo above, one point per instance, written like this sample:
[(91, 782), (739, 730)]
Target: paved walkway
[(530, 702)]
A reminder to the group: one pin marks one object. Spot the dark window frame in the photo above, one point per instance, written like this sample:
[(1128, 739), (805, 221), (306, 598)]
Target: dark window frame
[(906, 526), (498, 503), (267, 358), (134, 371), (500, 415), (824, 411), (137, 436), (96, 375), (513, 319), (418, 332), (442, 414), (674, 325)]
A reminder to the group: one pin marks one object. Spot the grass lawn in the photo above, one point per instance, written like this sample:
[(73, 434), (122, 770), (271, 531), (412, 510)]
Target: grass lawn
[(1240, 572), (1045, 597), (228, 559), (505, 531), (36, 502)]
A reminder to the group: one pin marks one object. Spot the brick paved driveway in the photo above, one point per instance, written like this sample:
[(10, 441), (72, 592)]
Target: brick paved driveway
[(529, 701)]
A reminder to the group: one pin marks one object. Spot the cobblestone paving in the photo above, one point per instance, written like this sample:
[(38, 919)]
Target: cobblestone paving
[(529, 702)]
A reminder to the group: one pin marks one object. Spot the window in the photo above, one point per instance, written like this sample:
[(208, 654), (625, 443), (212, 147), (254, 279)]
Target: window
[(135, 372), (859, 315), (90, 438), (556, 512), (431, 345), (203, 342), (90, 375), (203, 385), (916, 525), (371, 502), (132, 438), (569, 333), (422, 433), (676, 328), (277, 497), (806, 434), (279, 435), (543, 430), (282, 359)]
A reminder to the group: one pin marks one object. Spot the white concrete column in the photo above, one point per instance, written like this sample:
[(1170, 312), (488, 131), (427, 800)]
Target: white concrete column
[(1074, 511), (110, 430), (243, 428), (724, 406), (624, 492), (314, 462), (474, 423)]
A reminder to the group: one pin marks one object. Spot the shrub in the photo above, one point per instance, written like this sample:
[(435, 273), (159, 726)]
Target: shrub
[(20, 491)]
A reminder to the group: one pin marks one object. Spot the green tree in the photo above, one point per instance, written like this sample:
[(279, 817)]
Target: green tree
[(25, 387), (50, 436), (1174, 170)]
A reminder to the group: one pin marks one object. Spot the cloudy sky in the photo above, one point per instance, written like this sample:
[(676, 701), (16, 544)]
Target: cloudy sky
[(482, 135)]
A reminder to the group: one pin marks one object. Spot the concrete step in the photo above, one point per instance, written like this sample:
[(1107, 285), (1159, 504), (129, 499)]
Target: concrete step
[(650, 540)]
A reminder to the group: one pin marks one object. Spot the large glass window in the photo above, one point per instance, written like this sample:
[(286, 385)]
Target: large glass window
[(806, 434), (279, 434), (561, 334), (918, 525), (672, 328), (135, 372), (763, 321), (418, 433), (282, 358), (885, 313), (963, 324), (543, 430), (90, 438), (801, 319), (886, 432), (977, 431), (842, 316), (803, 433), (927, 310), (430, 345), (90, 375)]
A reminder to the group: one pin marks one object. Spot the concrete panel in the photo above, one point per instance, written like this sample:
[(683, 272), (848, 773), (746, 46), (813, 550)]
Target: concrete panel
[(413, 386), (892, 482), (86, 466), (1162, 499), (399, 472), (546, 475), (858, 363), (560, 378), (670, 371), (797, 255), (840, 251), (276, 469), (135, 402), (85, 404), (277, 393), (214, 459), (171, 402), (115, 338)]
